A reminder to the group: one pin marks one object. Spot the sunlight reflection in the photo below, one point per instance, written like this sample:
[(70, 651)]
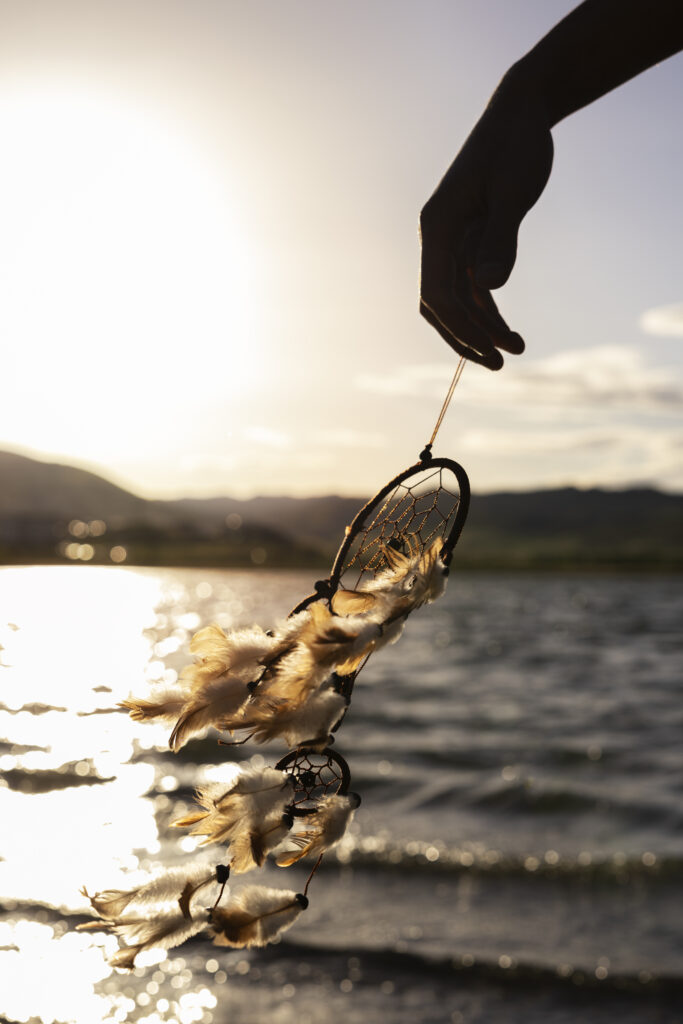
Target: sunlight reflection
[(76, 647), (92, 831), (85, 791), (105, 646), (33, 951)]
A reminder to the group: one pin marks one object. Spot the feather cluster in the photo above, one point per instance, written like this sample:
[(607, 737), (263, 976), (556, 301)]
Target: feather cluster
[(292, 683), (281, 684), (250, 813), (211, 691), (305, 723), (409, 581), (158, 914), (255, 916), (323, 829)]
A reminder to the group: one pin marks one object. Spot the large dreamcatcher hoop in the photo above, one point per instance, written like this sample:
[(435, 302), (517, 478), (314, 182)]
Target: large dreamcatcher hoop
[(428, 500)]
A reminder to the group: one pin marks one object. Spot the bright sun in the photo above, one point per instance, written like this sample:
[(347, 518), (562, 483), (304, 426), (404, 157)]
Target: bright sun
[(124, 276)]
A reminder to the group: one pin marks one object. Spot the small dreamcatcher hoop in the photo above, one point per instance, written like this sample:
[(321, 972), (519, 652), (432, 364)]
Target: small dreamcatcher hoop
[(316, 774)]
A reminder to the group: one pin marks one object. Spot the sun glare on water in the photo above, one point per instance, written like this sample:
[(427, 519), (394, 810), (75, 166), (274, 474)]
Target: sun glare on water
[(124, 273), (77, 786)]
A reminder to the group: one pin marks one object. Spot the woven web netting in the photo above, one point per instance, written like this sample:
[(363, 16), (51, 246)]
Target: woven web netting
[(417, 508), (316, 774)]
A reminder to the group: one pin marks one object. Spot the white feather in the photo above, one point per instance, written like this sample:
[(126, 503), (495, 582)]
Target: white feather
[(177, 886), (327, 642), (255, 916), (249, 847), (241, 652), (310, 722), (256, 795), (411, 580), (414, 579), (213, 703), (164, 704), (163, 931), (322, 829)]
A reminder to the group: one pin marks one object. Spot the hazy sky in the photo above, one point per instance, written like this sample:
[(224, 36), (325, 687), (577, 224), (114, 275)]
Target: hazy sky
[(209, 258)]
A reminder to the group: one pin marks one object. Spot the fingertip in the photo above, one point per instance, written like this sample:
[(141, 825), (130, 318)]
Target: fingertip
[(494, 361), (517, 345)]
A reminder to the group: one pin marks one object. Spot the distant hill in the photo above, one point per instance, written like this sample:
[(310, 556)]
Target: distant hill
[(55, 513), (322, 519), (28, 487), (572, 528)]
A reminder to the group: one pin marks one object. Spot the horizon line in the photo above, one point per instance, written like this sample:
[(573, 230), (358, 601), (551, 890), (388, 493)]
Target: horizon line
[(100, 471)]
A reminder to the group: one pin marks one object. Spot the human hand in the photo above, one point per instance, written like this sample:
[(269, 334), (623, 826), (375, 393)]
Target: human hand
[(469, 226)]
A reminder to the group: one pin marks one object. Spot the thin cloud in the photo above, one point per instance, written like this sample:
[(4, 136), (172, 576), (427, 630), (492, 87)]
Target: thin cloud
[(357, 439), (664, 321), (420, 380), (504, 441), (606, 376), (624, 456), (267, 437)]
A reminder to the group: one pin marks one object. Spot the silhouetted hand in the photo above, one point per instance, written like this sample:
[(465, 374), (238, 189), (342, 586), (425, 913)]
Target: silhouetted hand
[(469, 226)]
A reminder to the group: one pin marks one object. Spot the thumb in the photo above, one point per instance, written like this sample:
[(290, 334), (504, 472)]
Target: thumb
[(497, 250)]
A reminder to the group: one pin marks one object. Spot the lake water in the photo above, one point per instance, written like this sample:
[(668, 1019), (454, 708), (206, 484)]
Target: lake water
[(518, 855)]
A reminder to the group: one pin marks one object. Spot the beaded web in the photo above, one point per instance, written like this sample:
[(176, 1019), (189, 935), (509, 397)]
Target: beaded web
[(417, 510), (426, 501), (316, 774)]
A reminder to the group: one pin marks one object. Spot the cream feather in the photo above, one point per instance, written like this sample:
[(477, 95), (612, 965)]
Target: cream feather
[(255, 795), (255, 916), (309, 723), (288, 634), (347, 641), (158, 914), (213, 703), (241, 652), (325, 827), (176, 886), (250, 847), (327, 641), (291, 679), (228, 662), (338, 638), (409, 581), (164, 931), (163, 704), (415, 578), (211, 686), (253, 781)]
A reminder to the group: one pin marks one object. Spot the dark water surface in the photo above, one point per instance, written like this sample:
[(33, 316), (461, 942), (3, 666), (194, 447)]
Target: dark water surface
[(518, 856)]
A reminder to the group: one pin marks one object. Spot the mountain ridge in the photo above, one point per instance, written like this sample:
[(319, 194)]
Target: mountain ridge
[(567, 527)]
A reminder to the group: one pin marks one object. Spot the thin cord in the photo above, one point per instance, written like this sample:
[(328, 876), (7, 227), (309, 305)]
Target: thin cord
[(220, 894), (447, 401), (317, 864)]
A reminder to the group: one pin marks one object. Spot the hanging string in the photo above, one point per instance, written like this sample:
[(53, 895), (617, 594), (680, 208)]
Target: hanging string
[(447, 401), (222, 876), (308, 880)]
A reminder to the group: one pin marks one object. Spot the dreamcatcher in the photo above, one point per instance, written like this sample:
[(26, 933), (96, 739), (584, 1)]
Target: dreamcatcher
[(293, 683)]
